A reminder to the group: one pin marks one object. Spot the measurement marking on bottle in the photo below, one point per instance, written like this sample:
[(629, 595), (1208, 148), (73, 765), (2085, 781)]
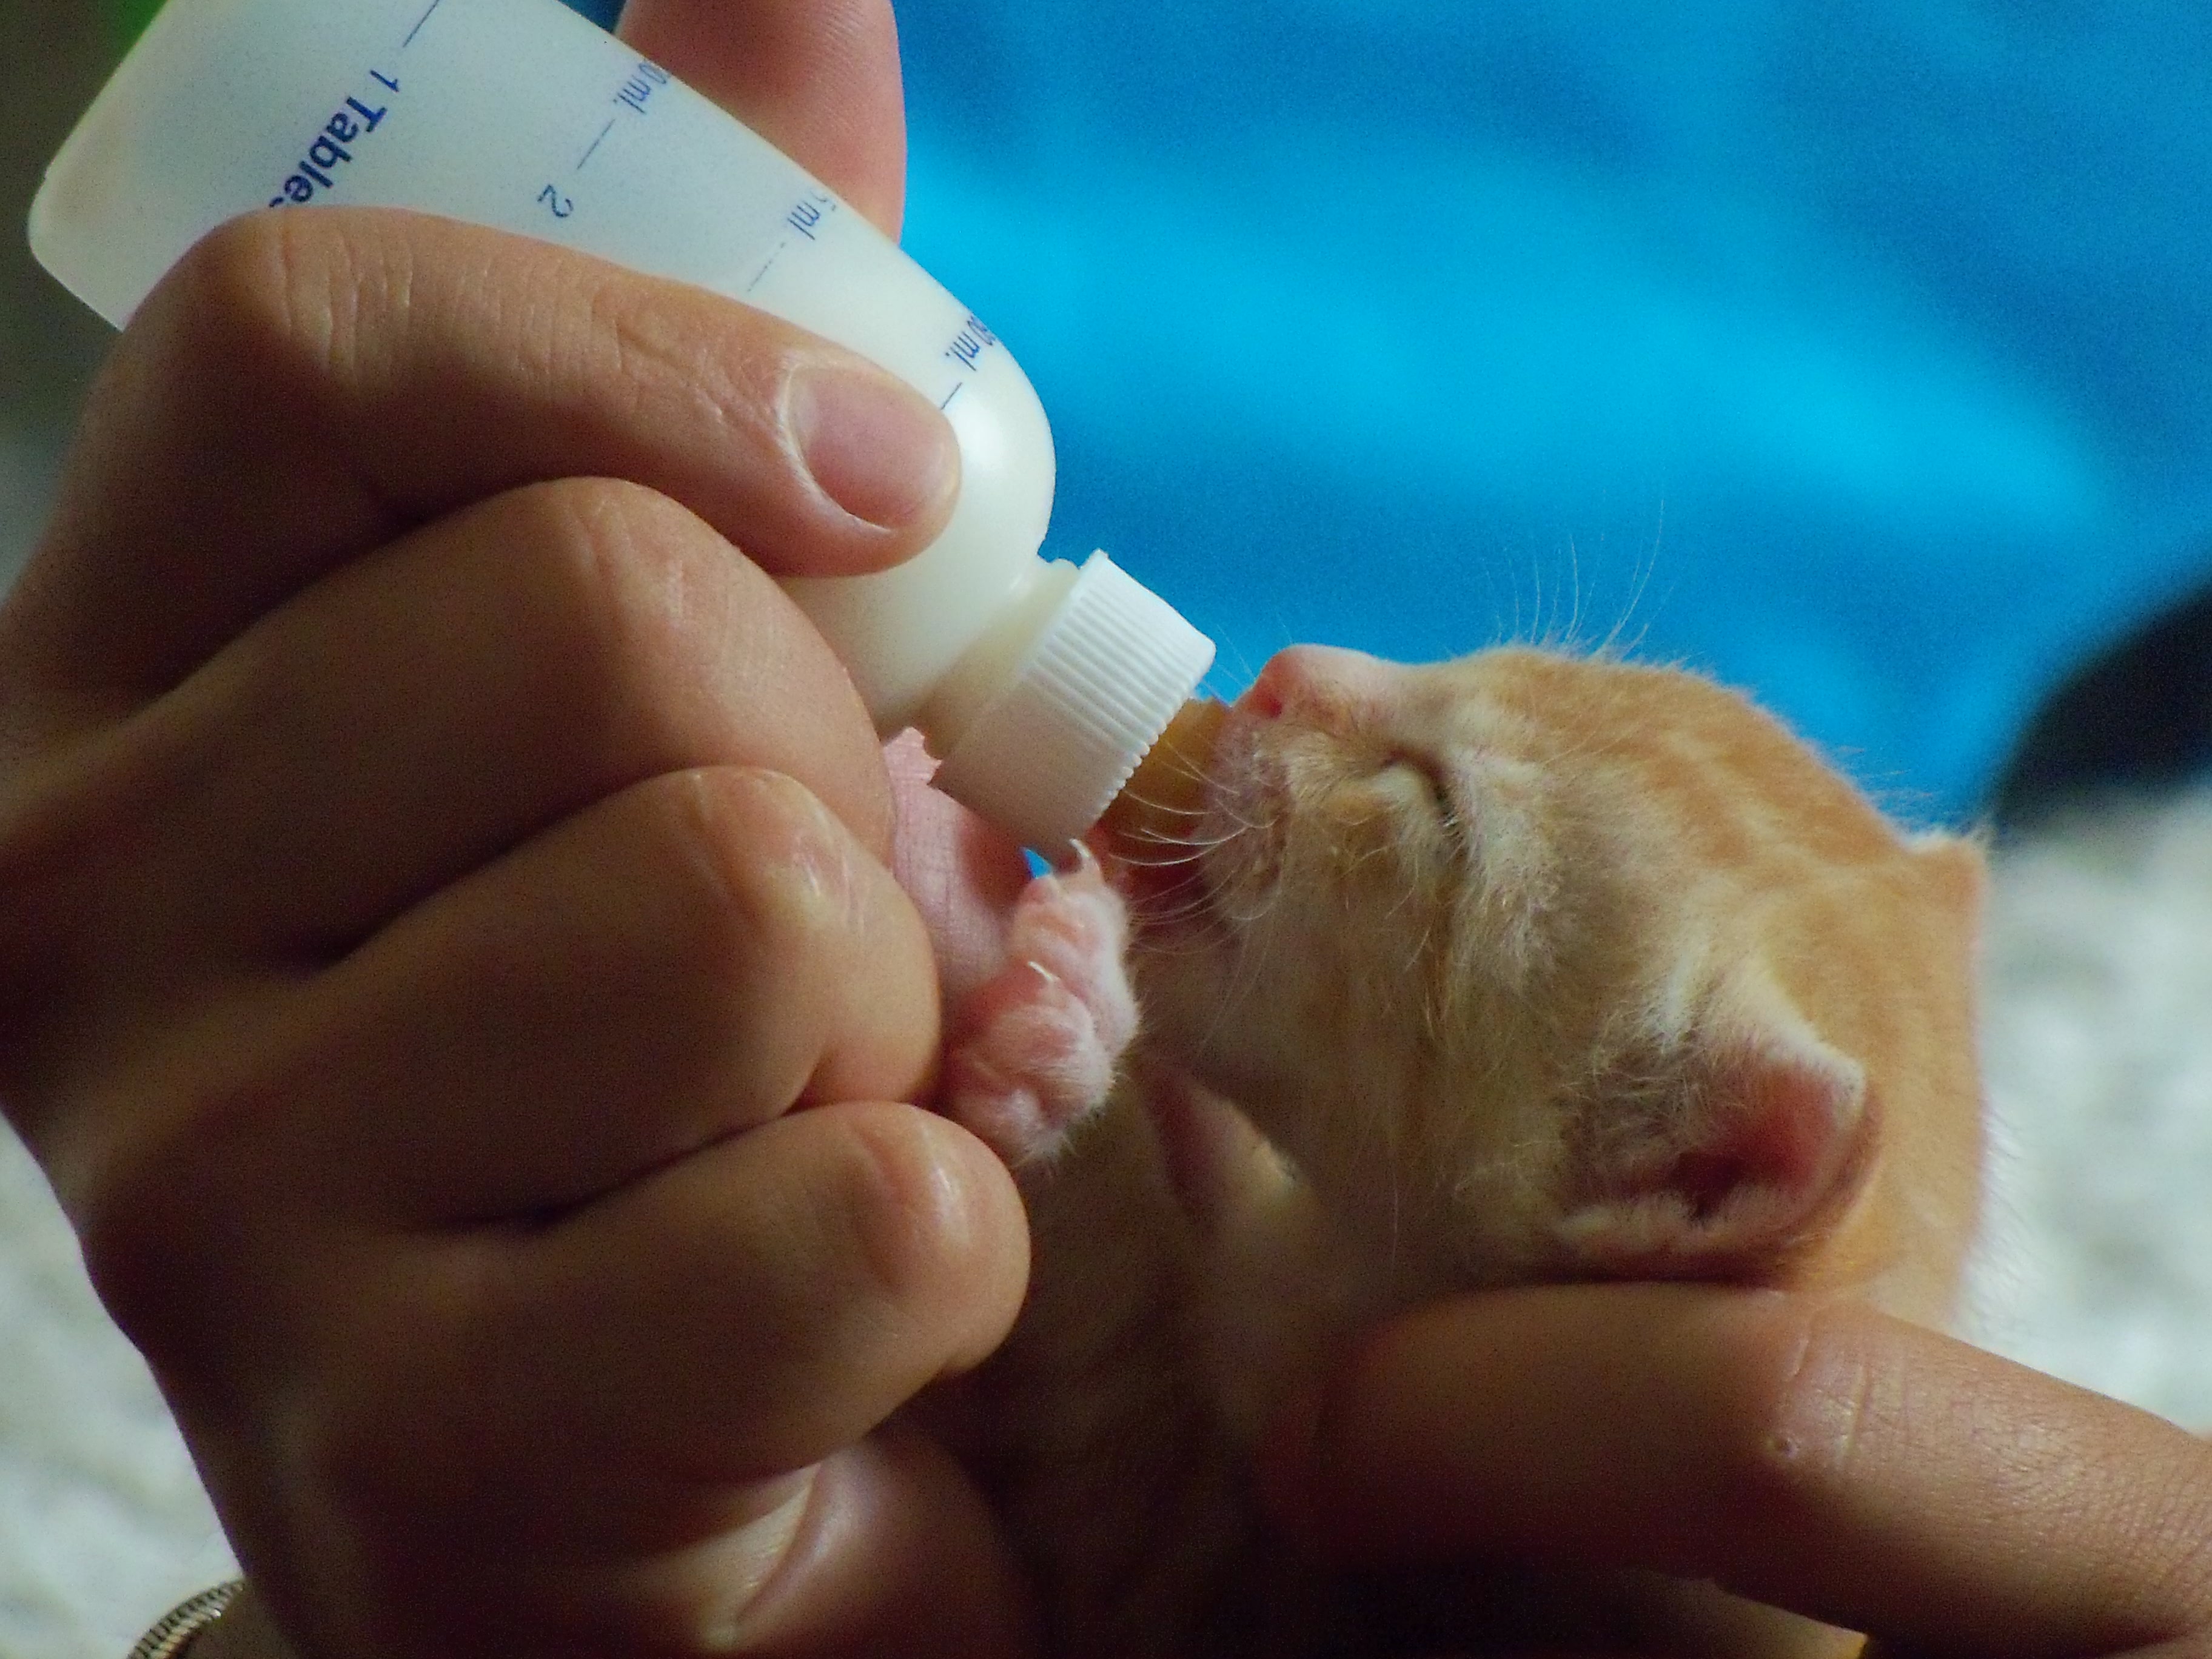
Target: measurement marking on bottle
[(767, 265), (644, 81), (951, 395), (330, 151), (596, 143), (419, 22), (970, 344)]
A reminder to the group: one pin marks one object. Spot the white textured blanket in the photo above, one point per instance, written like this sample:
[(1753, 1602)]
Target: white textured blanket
[(2097, 1255)]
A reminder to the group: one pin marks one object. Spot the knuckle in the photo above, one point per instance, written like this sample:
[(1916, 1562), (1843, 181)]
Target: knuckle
[(148, 1209), (124, 1238), (909, 1199), (236, 277), (272, 301), (1820, 1398), (90, 969), (606, 575), (691, 359), (774, 880)]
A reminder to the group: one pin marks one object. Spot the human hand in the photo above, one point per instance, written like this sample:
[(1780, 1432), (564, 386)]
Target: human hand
[(434, 861), (1813, 1455)]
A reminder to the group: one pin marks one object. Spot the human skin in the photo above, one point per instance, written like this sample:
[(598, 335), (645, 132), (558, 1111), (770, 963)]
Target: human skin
[(1810, 1455), (450, 967)]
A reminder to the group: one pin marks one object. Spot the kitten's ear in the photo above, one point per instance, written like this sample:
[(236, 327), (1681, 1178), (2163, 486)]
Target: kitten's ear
[(1721, 1152)]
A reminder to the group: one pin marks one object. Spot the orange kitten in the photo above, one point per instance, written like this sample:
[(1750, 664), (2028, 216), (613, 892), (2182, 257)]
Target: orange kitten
[(1517, 969)]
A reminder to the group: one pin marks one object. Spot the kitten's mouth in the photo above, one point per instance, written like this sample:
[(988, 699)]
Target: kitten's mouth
[(1152, 836)]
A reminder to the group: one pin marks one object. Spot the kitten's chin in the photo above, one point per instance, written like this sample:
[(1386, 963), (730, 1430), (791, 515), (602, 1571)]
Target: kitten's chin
[(1165, 886), (1159, 839), (1152, 835)]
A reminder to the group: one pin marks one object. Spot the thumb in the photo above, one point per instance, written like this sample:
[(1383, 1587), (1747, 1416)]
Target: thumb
[(308, 384), (1809, 1454)]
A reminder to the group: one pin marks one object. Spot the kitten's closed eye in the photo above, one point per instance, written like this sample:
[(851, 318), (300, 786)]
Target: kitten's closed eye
[(1349, 704), (1435, 782)]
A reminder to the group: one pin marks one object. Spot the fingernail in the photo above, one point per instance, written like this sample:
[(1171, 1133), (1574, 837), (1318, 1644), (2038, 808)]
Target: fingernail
[(872, 443)]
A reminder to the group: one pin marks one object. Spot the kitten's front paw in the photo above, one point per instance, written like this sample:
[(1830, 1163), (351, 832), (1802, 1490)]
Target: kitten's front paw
[(1035, 1049)]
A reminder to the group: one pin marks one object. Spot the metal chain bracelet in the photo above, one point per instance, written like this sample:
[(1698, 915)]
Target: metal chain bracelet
[(173, 1632)]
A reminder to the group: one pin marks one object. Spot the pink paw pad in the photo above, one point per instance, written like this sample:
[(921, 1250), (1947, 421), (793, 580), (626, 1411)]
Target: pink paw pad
[(1036, 1047)]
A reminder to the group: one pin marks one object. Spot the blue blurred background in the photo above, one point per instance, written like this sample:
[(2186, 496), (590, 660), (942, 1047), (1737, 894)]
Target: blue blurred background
[(1859, 354)]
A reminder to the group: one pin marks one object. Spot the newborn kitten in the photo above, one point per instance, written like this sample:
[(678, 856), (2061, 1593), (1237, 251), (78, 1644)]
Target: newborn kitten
[(1518, 968)]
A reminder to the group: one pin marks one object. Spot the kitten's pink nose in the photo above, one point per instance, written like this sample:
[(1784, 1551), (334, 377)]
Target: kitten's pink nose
[(1310, 680)]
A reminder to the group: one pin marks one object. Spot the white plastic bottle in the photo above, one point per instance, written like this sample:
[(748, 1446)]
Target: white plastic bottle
[(1037, 686)]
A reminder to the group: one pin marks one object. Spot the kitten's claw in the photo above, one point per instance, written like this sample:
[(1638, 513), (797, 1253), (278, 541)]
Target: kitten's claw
[(1036, 1047)]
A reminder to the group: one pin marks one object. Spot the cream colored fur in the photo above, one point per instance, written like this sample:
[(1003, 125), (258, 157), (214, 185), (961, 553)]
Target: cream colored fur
[(1520, 969)]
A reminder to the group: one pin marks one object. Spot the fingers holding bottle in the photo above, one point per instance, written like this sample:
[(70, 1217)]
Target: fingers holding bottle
[(422, 1084), (306, 387), (424, 708), (684, 962), (501, 1293), (357, 824)]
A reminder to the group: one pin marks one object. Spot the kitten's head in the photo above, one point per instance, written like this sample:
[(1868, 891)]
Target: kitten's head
[(1570, 966)]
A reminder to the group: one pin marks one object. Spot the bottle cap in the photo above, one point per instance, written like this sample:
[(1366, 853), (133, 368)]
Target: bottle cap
[(1108, 671)]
